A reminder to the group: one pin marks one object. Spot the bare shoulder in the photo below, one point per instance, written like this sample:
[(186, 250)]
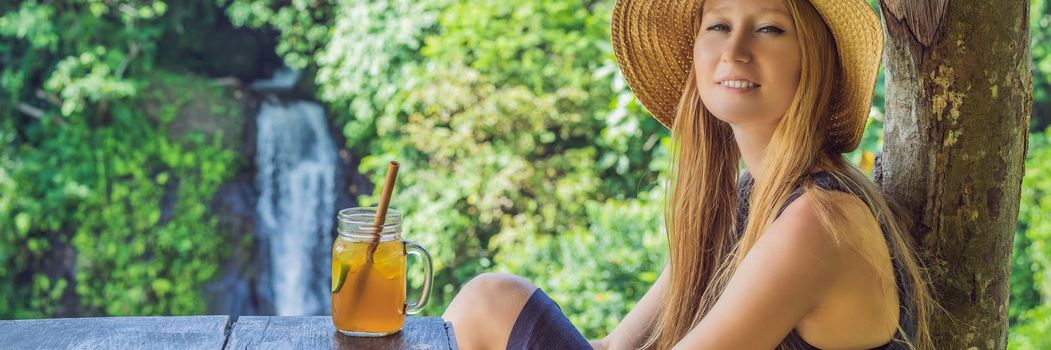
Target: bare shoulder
[(801, 223), (841, 228), (836, 228), (818, 210)]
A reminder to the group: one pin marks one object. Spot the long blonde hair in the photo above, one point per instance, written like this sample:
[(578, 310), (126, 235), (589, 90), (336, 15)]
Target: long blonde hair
[(700, 212)]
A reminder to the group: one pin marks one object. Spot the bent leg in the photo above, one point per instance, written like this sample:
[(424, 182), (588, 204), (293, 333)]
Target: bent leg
[(484, 311)]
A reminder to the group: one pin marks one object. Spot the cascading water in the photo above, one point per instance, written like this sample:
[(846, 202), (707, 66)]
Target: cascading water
[(296, 162)]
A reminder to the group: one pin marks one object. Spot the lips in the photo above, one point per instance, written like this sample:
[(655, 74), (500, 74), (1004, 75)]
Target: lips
[(735, 77)]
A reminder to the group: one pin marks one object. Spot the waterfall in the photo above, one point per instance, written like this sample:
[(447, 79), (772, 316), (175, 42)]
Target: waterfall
[(296, 163)]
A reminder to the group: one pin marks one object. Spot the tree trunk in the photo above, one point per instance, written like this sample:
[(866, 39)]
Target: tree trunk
[(959, 96)]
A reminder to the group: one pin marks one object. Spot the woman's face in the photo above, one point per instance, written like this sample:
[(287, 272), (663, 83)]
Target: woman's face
[(747, 60)]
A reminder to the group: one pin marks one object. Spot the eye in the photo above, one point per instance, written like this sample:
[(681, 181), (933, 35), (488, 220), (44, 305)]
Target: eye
[(719, 27), (771, 29)]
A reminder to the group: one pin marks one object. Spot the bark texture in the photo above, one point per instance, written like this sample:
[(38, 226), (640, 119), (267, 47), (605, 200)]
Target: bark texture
[(959, 96)]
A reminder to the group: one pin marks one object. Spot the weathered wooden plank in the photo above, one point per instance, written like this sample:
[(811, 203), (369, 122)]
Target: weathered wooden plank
[(317, 332), (189, 332)]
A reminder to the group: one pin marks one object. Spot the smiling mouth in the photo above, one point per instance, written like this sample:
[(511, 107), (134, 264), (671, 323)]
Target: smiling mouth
[(739, 84)]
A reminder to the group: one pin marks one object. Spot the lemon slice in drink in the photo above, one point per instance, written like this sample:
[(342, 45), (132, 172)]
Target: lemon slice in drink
[(390, 261), (339, 275)]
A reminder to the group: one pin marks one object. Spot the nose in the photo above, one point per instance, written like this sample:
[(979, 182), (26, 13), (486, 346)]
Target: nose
[(736, 49)]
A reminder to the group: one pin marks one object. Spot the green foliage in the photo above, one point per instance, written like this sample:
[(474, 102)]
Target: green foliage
[(374, 48), (555, 47), (108, 215), (1034, 333), (106, 203), (302, 24), (361, 59), (1040, 44), (88, 79), (1025, 293), (1036, 199), (1031, 271), (468, 177)]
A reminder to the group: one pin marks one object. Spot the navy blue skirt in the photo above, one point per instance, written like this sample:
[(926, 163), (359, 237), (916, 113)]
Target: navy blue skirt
[(542, 325)]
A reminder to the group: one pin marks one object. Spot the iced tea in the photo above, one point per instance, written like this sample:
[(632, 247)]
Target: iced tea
[(368, 300)]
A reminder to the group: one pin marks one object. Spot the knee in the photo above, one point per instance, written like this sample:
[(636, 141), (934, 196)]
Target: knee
[(492, 292), (497, 284), (484, 311)]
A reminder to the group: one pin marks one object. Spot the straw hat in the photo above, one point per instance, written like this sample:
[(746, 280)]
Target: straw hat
[(653, 42)]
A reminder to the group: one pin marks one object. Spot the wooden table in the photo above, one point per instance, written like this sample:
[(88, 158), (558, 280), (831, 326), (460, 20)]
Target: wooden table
[(214, 332)]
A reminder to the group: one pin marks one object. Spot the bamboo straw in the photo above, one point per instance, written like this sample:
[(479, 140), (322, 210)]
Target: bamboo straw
[(381, 216), (381, 211)]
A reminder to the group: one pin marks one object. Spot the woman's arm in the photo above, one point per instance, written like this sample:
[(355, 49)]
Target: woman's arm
[(638, 324)]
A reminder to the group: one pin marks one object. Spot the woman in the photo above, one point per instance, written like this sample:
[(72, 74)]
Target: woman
[(799, 251)]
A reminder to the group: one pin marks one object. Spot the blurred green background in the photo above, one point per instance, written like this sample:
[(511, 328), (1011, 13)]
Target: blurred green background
[(522, 149)]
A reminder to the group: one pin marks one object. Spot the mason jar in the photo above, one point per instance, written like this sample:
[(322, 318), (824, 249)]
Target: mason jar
[(369, 299)]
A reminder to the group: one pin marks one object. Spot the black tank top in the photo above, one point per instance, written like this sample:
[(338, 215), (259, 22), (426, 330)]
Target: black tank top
[(825, 181)]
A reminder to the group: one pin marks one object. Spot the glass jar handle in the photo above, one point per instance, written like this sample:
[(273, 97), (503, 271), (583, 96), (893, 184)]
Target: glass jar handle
[(411, 248)]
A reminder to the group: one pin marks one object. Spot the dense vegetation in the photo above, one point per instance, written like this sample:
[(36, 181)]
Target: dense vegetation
[(522, 149), (86, 161)]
